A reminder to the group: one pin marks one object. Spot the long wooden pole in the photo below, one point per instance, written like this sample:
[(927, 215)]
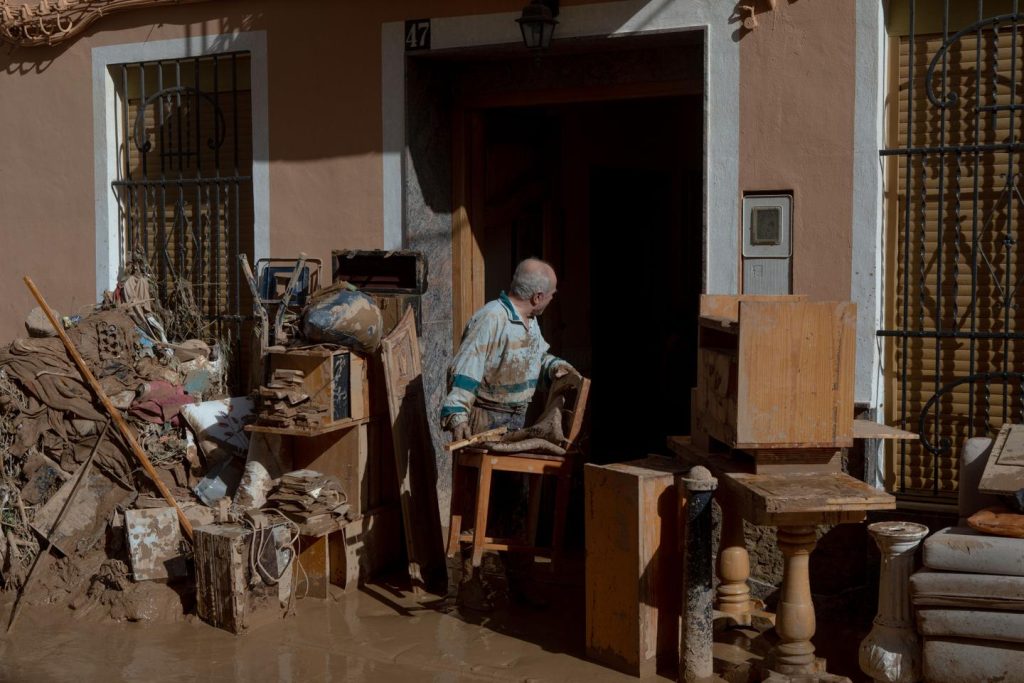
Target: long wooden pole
[(114, 413)]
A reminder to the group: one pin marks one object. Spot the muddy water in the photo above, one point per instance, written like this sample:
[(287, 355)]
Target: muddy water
[(375, 635)]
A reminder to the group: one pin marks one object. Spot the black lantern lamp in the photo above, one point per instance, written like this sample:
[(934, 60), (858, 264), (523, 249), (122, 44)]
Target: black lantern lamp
[(538, 23)]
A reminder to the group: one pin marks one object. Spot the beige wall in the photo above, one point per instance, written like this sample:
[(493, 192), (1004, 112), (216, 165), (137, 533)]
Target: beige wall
[(325, 135), (324, 85), (796, 132)]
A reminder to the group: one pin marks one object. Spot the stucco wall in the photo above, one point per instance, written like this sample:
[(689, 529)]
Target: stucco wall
[(796, 132), (324, 89)]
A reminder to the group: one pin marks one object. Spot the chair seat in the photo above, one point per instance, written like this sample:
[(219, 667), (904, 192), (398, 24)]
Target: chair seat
[(962, 549), (534, 456)]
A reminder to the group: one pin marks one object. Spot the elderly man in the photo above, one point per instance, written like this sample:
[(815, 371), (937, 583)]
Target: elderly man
[(501, 361), (503, 357)]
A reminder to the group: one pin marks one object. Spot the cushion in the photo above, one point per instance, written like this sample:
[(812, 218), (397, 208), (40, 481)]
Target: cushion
[(951, 660), (962, 549), (971, 623), (956, 589)]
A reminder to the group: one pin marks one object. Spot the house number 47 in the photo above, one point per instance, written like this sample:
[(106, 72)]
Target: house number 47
[(417, 34)]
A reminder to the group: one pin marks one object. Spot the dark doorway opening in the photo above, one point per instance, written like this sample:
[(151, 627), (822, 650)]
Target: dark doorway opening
[(611, 194)]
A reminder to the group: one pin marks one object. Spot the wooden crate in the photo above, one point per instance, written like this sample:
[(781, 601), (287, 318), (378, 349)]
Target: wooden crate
[(224, 597), (334, 379), (633, 569), (775, 372)]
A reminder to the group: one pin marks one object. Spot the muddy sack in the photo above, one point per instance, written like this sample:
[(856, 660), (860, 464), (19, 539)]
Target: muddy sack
[(344, 317)]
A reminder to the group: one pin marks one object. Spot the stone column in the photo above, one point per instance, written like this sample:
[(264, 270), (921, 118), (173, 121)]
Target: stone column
[(891, 653), (694, 491)]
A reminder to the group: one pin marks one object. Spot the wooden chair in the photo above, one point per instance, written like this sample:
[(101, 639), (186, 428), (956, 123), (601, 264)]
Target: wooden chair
[(575, 390)]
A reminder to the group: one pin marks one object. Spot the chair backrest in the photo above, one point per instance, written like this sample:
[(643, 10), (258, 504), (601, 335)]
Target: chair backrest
[(576, 390)]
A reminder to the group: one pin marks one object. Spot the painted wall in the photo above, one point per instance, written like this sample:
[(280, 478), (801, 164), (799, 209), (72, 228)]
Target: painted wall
[(796, 132), (324, 83)]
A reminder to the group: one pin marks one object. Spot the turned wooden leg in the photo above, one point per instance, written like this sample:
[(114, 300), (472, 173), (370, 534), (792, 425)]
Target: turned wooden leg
[(733, 568), (794, 620)]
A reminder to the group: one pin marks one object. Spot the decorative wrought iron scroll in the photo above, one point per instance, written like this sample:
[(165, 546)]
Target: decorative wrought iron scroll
[(51, 22), (958, 320)]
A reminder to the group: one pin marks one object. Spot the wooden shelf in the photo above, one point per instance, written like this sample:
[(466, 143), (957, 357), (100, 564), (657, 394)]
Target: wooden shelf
[(302, 431), (866, 429)]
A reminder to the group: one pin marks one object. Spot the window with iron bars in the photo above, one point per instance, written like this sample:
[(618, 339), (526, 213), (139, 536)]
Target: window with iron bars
[(955, 214), (184, 186)]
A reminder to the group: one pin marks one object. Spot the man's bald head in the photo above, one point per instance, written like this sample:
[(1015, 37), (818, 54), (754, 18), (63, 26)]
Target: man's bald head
[(532, 276)]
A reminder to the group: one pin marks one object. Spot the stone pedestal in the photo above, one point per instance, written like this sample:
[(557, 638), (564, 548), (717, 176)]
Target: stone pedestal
[(892, 653)]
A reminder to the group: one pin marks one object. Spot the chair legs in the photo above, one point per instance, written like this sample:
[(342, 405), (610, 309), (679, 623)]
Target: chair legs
[(460, 496), (483, 499)]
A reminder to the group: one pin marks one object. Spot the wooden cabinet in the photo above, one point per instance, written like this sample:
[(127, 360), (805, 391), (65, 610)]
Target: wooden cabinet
[(775, 372)]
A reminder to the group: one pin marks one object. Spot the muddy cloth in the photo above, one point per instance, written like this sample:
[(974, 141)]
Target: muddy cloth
[(502, 359), (160, 402)]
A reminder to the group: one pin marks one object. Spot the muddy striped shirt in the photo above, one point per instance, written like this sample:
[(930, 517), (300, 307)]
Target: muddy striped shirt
[(502, 359)]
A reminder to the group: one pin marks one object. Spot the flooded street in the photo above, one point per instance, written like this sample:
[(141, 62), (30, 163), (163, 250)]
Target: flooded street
[(375, 634)]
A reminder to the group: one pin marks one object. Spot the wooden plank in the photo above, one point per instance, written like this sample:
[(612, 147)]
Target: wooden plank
[(795, 383), (414, 457), (726, 306), (1004, 471), (867, 429), (299, 431), (633, 568), (314, 560)]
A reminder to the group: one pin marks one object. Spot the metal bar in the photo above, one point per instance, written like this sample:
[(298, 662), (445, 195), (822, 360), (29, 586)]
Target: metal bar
[(160, 110), (142, 100), (967, 149), (949, 334), (1009, 204), (974, 220), (182, 181), (941, 229), (906, 245), (177, 111), (195, 100)]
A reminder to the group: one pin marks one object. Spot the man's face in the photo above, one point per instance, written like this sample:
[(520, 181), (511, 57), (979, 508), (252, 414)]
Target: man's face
[(541, 301)]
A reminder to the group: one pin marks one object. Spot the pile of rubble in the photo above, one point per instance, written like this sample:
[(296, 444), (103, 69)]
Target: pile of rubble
[(52, 424)]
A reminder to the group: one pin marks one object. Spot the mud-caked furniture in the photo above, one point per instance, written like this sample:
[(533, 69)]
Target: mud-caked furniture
[(969, 597)]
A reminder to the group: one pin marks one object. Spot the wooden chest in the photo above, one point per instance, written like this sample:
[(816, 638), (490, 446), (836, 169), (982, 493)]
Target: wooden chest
[(313, 388), (775, 372)]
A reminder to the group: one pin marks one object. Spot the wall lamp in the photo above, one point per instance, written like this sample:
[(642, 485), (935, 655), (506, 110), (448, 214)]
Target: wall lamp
[(538, 22)]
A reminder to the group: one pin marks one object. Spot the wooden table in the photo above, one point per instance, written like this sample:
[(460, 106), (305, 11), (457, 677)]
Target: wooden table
[(795, 502)]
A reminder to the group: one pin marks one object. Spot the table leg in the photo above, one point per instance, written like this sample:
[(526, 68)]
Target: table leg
[(794, 622)]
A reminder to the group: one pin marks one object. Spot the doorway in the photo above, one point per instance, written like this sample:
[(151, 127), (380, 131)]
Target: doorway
[(610, 193)]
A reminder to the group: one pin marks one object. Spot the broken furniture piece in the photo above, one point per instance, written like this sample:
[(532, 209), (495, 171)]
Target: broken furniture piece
[(795, 503), (772, 408), (313, 389), (969, 596), (243, 574), (634, 564), (415, 462), (395, 279), (574, 390)]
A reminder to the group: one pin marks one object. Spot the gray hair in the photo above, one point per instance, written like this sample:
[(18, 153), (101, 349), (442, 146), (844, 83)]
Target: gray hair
[(531, 277)]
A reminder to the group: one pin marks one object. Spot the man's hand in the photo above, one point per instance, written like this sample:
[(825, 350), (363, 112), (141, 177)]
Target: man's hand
[(566, 370), (461, 431)]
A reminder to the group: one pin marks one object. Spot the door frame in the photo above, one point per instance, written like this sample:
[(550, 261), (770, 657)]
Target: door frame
[(468, 276)]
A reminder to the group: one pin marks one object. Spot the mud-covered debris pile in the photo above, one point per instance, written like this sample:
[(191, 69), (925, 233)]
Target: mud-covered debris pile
[(50, 423)]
